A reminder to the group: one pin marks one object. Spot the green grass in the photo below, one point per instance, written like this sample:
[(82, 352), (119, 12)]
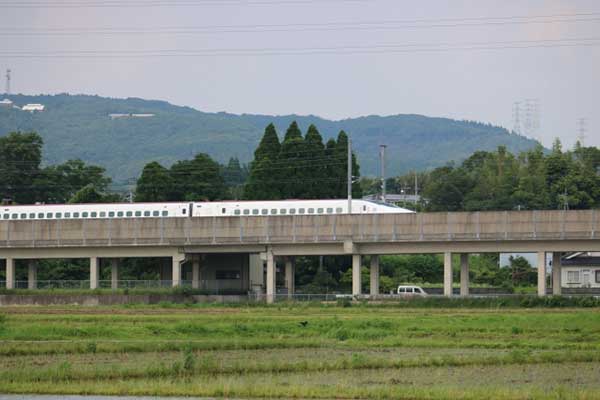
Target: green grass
[(302, 351)]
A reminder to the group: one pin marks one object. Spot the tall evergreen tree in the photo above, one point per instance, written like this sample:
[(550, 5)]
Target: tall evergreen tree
[(263, 178), (294, 181), (331, 171), (341, 158), (314, 165)]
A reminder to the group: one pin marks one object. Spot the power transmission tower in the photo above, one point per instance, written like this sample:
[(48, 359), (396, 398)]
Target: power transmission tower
[(7, 83), (517, 118), (531, 122), (581, 131)]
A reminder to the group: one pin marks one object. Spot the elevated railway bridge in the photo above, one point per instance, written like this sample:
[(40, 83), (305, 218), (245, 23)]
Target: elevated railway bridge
[(272, 238)]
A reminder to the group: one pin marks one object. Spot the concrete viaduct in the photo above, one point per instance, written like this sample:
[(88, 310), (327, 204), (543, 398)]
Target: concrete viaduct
[(288, 236)]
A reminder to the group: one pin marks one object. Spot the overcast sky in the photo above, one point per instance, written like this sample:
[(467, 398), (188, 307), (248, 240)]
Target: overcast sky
[(469, 84)]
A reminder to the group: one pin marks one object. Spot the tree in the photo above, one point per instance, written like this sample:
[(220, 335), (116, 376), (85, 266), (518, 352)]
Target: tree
[(198, 179), (90, 194), (20, 158), (59, 183), (293, 175), (314, 165), (262, 182), (155, 184), (521, 272), (340, 180)]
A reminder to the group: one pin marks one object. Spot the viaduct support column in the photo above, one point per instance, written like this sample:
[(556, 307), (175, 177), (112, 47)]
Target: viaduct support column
[(374, 274), (32, 274), (448, 274), (10, 273), (114, 273), (196, 271), (356, 278), (464, 274), (177, 259), (94, 272), (556, 274), (289, 276), (541, 267), (271, 277)]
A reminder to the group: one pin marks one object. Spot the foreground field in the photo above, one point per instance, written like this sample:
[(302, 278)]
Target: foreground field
[(302, 352)]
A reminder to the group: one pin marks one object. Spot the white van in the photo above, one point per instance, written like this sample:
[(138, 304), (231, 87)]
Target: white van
[(410, 291)]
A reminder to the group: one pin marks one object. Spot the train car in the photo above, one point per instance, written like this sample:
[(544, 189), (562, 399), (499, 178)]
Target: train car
[(194, 209)]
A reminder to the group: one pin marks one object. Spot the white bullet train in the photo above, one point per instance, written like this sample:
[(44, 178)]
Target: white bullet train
[(195, 209)]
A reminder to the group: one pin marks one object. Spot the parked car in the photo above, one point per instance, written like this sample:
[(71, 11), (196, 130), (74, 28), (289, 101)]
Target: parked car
[(410, 291)]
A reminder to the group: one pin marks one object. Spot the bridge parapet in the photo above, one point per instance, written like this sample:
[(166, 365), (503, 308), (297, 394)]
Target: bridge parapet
[(459, 226)]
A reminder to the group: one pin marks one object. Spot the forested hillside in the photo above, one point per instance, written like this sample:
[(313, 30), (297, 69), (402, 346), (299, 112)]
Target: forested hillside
[(79, 127)]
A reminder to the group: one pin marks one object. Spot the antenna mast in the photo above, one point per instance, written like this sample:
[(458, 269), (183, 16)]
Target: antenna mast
[(382, 161)]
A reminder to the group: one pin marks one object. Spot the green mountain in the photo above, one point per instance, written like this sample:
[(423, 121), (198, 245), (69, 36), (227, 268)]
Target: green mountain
[(79, 126)]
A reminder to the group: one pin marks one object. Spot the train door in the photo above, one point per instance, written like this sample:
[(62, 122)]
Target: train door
[(586, 278)]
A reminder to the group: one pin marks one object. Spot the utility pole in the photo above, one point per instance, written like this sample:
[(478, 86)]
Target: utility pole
[(382, 162), (349, 175)]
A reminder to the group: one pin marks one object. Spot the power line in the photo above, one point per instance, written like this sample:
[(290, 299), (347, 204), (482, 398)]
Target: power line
[(304, 27), (28, 4), (411, 48)]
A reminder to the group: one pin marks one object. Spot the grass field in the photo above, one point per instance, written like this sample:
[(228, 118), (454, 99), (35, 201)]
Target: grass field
[(302, 351)]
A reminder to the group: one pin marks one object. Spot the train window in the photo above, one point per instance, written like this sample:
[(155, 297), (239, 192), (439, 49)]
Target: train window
[(283, 211), (40, 215), (165, 213), (264, 211), (364, 208), (139, 213), (255, 211), (93, 214), (75, 215), (237, 212), (58, 215), (111, 214), (273, 211), (319, 211), (301, 211), (292, 211), (183, 211), (32, 215), (246, 212), (48, 215), (330, 211), (338, 210), (119, 213), (6, 216), (146, 213), (67, 215), (129, 213), (14, 216), (155, 213), (23, 216), (311, 210), (102, 214), (222, 210), (85, 214)]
